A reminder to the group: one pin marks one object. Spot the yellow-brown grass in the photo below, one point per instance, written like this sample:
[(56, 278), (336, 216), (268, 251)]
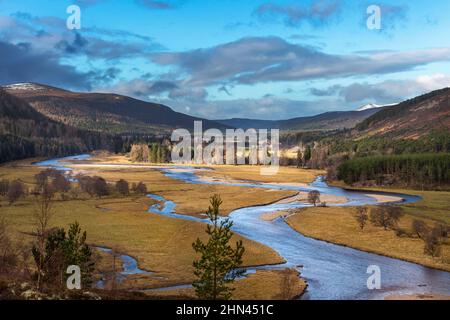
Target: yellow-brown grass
[(435, 205), (160, 244), (338, 225), (192, 199), (244, 172), (252, 173)]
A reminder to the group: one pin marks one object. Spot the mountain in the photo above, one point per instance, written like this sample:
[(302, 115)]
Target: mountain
[(322, 122), (101, 112), (410, 119), (24, 133)]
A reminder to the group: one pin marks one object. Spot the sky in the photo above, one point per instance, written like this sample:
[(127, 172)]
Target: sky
[(221, 59)]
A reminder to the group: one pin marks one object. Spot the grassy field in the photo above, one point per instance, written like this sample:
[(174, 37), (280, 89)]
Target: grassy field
[(435, 205), (193, 199), (244, 172), (160, 244), (338, 225), (252, 173)]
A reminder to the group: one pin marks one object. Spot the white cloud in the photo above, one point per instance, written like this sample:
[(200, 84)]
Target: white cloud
[(387, 91)]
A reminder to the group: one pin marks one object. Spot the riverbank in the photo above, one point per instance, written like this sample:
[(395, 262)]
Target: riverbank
[(191, 198), (338, 225), (285, 284)]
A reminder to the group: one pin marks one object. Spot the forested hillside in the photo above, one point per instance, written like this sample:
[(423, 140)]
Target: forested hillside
[(410, 119), (419, 125), (110, 113), (24, 132), (403, 145), (409, 170)]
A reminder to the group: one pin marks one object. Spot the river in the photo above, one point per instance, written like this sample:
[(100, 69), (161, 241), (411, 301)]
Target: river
[(332, 271)]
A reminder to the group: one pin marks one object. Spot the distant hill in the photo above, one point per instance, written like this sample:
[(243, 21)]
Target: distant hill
[(410, 119), (110, 113), (322, 122), (24, 133)]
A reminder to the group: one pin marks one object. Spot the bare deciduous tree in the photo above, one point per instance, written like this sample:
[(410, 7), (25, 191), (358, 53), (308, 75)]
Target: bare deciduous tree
[(42, 217), (16, 190), (419, 227), (8, 258), (386, 216), (362, 216), (139, 188), (314, 197), (122, 187), (4, 187), (140, 153), (432, 243), (60, 183)]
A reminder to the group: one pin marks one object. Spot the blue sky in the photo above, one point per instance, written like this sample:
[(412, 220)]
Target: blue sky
[(228, 58)]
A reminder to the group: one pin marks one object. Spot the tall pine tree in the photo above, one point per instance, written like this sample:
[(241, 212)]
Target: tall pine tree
[(218, 264)]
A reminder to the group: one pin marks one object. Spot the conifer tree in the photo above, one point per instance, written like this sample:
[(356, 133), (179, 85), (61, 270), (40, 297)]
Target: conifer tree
[(218, 265)]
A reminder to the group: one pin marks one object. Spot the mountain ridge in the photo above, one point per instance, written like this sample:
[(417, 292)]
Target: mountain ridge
[(113, 113), (104, 112), (409, 119), (328, 121)]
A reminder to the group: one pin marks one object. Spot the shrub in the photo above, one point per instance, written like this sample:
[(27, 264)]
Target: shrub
[(419, 227), (16, 190), (362, 216), (140, 188), (4, 187), (122, 187), (386, 216), (314, 197)]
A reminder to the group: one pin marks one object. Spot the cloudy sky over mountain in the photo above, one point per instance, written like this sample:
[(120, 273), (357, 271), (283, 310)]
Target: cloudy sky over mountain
[(227, 58)]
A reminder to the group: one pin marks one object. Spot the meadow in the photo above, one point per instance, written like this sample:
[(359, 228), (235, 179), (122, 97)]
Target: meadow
[(338, 225), (160, 244)]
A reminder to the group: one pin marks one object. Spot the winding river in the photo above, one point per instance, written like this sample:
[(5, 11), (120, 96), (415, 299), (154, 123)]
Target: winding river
[(332, 271)]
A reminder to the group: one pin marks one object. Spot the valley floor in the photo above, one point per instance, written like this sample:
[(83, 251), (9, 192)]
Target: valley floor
[(338, 225), (160, 244), (163, 246)]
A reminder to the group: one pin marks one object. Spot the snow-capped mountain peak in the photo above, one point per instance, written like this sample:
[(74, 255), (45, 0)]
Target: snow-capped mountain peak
[(374, 106), (369, 106), (24, 86)]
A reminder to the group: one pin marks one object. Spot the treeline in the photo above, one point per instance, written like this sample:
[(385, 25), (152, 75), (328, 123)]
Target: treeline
[(153, 153), (435, 141), (415, 170), (56, 183), (290, 139)]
